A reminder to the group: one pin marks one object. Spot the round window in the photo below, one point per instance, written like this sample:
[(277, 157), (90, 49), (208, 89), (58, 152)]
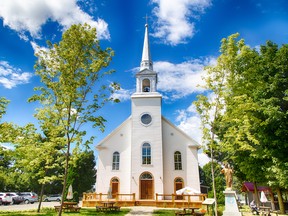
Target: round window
[(146, 119)]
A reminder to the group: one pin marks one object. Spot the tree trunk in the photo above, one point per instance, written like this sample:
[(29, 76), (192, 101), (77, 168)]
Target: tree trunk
[(65, 179), (256, 195), (214, 188), (212, 172), (41, 196), (272, 200), (280, 201)]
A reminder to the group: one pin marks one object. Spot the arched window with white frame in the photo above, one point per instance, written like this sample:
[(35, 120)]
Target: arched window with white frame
[(116, 161), (146, 153), (177, 160)]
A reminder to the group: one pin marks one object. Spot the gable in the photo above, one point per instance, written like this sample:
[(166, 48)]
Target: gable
[(146, 71), (178, 132), (124, 128)]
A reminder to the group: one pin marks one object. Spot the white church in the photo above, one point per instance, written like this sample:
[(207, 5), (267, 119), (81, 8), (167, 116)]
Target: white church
[(146, 154)]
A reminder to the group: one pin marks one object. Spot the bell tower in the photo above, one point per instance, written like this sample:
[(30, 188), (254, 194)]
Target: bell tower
[(146, 133), (146, 78)]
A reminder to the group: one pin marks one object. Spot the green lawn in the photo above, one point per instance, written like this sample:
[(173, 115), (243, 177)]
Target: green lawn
[(164, 212), (51, 212)]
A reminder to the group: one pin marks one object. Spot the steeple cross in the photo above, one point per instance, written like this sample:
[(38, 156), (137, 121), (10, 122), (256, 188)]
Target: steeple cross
[(146, 17)]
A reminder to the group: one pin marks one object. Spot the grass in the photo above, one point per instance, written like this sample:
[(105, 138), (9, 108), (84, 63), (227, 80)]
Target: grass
[(164, 212), (51, 212)]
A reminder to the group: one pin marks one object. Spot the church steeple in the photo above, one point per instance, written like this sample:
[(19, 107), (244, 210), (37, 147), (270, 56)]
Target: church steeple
[(146, 62), (146, 78)]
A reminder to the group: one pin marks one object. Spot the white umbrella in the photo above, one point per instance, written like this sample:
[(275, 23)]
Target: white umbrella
[(187, 191), (263, 198), (70, 193), (109, 193)]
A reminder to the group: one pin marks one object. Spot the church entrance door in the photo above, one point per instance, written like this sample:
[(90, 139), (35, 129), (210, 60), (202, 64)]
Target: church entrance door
[(146, 186), (115, 187), (179, 184)]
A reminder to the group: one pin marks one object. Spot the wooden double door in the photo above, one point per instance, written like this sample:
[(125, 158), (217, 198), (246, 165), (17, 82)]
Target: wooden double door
[(146, 186)]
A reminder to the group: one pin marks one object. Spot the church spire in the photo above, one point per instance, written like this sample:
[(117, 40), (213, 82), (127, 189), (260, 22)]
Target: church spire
[(146, 62)]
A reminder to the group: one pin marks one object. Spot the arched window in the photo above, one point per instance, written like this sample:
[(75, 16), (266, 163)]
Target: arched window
[(146, 85), (177, 160), (146, 153), (116, 161)]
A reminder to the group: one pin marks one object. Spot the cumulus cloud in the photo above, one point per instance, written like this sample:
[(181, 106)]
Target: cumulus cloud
[(189, 121), (203, 159), (174, 23), (11, 77), (29, 16), (123, 94), (180, 80)]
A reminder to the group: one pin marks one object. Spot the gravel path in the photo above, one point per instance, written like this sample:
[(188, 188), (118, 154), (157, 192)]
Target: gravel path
[(23, 207)]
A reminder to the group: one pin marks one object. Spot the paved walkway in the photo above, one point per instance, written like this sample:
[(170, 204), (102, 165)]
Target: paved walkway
[(141, 211)]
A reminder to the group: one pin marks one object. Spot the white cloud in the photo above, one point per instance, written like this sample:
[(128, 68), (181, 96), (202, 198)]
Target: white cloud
[(190, 123), (122, 94), (180, 80), (174, 23), (11, 77), (203, 159), (37, 48), (29, 16)]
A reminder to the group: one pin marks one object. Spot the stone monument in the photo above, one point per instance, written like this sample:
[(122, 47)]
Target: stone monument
[(231, 206)]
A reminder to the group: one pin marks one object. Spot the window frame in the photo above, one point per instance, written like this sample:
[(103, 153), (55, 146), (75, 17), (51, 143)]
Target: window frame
[(146, 154), (178, 160), (116, 161)]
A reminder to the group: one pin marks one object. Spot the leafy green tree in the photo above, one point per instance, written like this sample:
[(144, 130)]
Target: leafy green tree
[(210, 109), (6, 134), (73, 88), (82, 172), (219, 179), (252, 129), (37, 160)]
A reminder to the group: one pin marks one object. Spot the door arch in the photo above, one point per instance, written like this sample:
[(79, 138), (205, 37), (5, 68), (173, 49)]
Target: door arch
[(146, 186), (114, 186), (178, 184)]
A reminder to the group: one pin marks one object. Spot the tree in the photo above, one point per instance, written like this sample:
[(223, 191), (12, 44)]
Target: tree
[(219, 179), (252, 129), (210, 109), (6, 129), (82, 172), (73, 88), (37, 160)]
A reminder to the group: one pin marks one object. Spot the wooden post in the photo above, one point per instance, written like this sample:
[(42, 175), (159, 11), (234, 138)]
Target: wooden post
[(134, 197), (100, 196)]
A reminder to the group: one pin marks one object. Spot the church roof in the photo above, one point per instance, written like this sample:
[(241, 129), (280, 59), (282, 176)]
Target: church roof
[(146, 62), (101, 144)]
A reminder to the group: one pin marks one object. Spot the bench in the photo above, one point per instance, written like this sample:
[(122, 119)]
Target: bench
[(107, 208), (57, 208), (183, 213), (189, 213), (67, 208), (199, 213), (276, 212)]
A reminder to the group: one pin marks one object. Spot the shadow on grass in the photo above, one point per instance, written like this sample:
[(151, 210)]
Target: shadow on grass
[(51, 212), (163, 213)]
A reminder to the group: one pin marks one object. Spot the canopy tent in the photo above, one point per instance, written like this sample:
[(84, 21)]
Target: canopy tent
[(187, 191), (249, 186)]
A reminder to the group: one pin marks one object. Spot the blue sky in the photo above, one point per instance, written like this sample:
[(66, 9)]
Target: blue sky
[(184, 36)]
